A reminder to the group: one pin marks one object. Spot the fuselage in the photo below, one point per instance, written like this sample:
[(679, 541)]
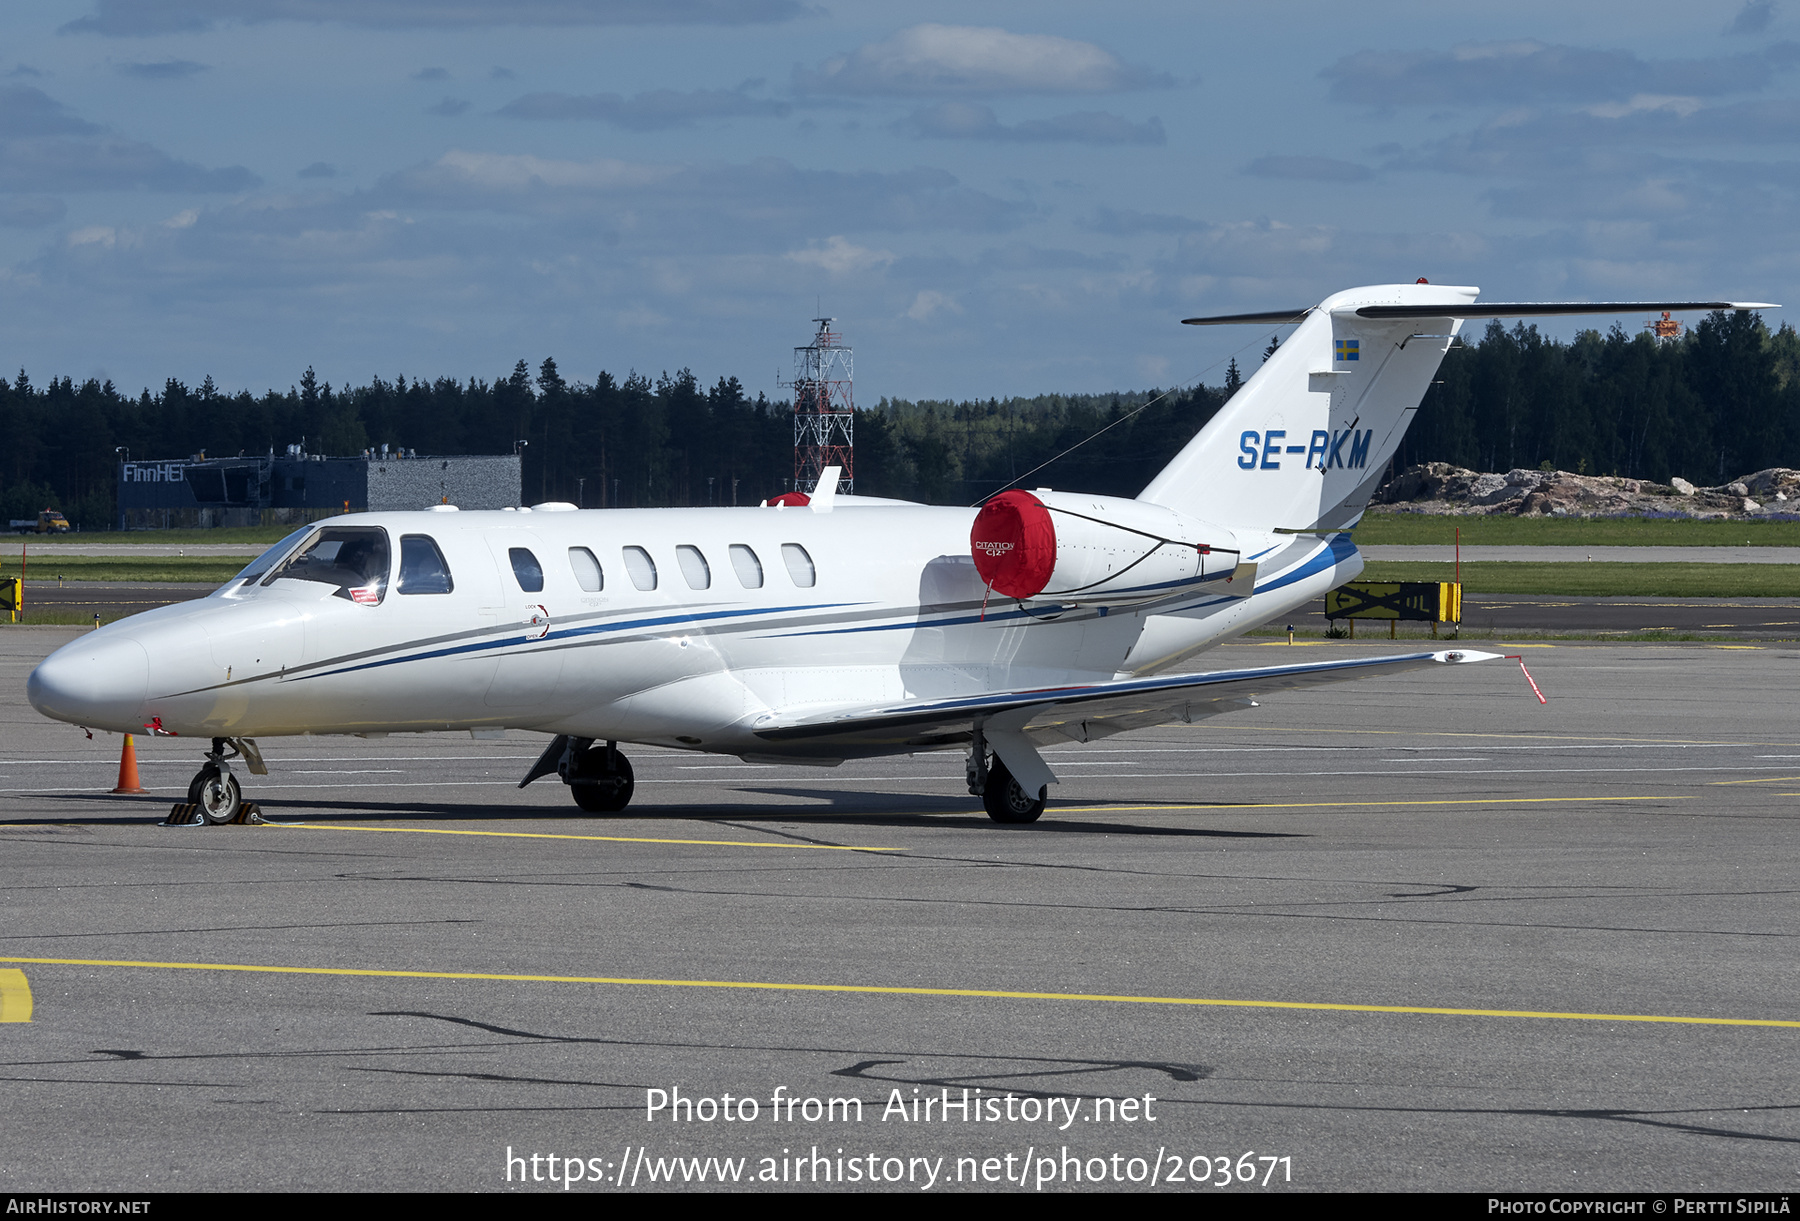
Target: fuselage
[(680, 627)]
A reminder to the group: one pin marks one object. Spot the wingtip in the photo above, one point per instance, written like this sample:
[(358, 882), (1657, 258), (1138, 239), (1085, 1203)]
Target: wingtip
[(1457, 657)]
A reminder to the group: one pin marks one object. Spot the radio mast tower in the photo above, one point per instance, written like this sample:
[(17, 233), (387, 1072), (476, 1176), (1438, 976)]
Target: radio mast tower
[(1665, 328), (824, 413)]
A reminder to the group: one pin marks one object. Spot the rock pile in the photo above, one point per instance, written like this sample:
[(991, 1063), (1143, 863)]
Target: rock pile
[(1440, 488)]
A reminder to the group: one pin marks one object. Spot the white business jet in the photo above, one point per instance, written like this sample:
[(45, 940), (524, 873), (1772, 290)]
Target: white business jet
[(815, 629)]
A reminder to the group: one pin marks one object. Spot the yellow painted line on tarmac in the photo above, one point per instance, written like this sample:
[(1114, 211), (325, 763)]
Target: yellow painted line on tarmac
[(15, 996), (1762, 780), (1350, 805), (881, 990), (612, 839), (1508, 737), (1737, 646)]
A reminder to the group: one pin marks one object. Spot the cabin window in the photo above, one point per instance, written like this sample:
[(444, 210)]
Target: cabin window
[(422, 567), (694, 567), (799, 565), (587, 570), (353, 558), (527, 570), (747, 566), (641, 567)]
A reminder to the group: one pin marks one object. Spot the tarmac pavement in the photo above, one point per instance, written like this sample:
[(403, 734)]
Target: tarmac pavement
[(1419, 932)]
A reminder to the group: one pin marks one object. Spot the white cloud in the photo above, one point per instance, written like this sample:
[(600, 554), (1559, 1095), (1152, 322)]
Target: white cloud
[(838, 256), (767, 203), (141, 17), (929, 302), (652, 111), (517, 172), (1537, 73), (929, 59), (973, 121)]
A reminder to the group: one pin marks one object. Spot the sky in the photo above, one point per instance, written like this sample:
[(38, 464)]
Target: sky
[(991, 199)]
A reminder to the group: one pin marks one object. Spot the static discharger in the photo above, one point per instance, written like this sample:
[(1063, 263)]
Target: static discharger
[(1518, 657)]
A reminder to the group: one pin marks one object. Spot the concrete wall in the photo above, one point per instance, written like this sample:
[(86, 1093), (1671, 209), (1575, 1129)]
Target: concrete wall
[(479, 482)]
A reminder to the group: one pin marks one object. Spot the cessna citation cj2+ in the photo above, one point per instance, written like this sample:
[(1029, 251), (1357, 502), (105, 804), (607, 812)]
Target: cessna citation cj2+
[(810, 632)]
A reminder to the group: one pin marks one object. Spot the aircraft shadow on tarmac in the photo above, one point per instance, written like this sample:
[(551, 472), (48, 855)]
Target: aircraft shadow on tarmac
[(848, 809)]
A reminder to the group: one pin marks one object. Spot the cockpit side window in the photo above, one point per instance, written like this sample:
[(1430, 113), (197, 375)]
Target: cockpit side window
[(422, 567), (526, 569), (353, 558)]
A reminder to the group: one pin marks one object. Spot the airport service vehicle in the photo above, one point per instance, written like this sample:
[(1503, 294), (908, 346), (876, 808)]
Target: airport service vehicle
[(47, 522), (818, 629)]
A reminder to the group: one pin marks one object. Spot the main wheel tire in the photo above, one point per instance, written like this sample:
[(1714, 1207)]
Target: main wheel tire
[(597, 789), (198, 783), (220, 797), (1006, 800)]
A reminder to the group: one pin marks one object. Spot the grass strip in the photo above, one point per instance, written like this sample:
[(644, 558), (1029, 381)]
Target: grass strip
[(1603, 580), (1419, 529), (249, 536), (149, 569)]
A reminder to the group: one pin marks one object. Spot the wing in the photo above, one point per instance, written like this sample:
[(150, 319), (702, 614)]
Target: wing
[(1077, 713)]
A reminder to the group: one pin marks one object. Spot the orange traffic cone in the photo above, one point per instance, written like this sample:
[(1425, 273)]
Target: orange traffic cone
[(128, 777)]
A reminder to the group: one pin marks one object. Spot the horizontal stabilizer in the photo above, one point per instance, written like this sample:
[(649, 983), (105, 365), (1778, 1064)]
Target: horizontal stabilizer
[(1497, 309), (1546, 309), (1082, 713)]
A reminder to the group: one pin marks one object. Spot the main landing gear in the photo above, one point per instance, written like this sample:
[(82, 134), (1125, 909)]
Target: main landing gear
[(1004, 797), (214, 795), (599, 777)]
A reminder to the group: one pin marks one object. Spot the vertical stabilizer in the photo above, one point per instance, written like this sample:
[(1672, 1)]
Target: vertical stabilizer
[(1303, 445)]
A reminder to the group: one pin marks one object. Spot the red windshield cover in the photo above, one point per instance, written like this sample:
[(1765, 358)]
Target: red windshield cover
[(1014, 544)]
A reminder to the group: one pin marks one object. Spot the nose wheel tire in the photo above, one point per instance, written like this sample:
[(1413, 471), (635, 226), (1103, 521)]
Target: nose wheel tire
[(218, 796), (599, 789), (1006, 800)]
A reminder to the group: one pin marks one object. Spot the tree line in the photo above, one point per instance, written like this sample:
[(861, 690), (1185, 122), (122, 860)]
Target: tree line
[(1722, 400)]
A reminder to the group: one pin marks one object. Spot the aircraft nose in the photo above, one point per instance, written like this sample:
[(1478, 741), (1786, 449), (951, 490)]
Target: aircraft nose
[(93, 681)]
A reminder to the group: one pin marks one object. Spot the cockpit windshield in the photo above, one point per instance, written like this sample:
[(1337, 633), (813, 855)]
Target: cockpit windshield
[(353, 558), (262, 563)]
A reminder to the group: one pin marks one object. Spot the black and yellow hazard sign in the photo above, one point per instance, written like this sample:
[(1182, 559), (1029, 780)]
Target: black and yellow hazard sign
[(1425, 601)]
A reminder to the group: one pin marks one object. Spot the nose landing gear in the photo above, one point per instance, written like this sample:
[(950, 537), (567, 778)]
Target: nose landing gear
[(214, 795), (599, 777)]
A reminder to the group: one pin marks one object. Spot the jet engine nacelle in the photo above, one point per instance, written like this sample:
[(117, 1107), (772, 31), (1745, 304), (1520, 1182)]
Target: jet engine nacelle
[(1084, 550)]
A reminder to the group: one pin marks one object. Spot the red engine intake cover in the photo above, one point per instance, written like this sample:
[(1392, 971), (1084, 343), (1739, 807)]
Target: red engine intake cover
[(1014, 544)]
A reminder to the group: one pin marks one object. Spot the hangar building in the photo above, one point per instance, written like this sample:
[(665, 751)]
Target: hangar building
[(297, 487)]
